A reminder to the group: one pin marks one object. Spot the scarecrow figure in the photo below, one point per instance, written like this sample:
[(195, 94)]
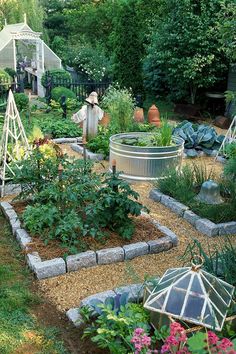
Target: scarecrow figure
[(90, 114)]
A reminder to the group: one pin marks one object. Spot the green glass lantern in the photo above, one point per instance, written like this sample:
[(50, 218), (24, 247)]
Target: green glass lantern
[(191, 294)]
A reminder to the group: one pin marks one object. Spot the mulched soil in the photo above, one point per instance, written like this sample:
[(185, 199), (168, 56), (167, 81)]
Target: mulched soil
[(144, 231)]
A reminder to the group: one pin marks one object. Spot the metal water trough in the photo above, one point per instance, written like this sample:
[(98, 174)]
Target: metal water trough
[(144, 163)]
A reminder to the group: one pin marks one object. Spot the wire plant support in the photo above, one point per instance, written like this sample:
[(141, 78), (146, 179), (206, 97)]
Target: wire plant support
[(14, 144), (229, 137)]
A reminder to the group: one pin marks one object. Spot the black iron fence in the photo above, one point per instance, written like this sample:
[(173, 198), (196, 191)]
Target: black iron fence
[(81, 89), (5, 86)]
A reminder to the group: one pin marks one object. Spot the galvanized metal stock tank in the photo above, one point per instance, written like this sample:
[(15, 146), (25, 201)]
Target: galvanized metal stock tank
[(144, 163)]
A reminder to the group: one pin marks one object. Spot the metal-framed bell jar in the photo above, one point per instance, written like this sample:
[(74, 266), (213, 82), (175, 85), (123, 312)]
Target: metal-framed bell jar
[(191, 294)]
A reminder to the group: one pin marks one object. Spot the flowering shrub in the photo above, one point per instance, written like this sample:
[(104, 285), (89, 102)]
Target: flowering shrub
[(92, 62), (178, 343)]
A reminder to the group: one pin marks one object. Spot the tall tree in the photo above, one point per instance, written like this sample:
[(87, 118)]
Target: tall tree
[(13, 11), (184, 55)]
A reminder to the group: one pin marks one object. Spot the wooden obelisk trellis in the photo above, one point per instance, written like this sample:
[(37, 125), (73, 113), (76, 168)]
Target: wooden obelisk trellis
[(13, 142), (229, 137)]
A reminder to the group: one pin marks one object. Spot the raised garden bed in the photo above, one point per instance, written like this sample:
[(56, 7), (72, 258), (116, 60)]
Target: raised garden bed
[(56, 266), (203, 225)]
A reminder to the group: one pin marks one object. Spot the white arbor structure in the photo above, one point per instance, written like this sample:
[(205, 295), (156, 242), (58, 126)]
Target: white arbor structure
[(14, 145), (19, 44)]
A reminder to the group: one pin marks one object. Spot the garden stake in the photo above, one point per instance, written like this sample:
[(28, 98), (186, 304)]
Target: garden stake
[(84, 142), (115, 188)]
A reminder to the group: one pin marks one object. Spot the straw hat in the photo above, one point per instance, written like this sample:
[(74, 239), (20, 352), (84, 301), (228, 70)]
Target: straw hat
[(93, 98)]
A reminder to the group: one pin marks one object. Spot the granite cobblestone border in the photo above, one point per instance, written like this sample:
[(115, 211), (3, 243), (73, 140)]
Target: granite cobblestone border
[(58, 266), (205, 226), (135, 294)]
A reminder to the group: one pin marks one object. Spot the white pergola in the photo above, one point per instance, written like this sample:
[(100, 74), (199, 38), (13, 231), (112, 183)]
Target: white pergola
[(42, 57)]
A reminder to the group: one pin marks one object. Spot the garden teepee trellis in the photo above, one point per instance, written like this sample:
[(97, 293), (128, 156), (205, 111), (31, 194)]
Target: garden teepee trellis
[(14, 144), (229, 137)]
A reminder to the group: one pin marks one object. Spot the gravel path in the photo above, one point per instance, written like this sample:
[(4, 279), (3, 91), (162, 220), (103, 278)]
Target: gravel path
[(68, 290)]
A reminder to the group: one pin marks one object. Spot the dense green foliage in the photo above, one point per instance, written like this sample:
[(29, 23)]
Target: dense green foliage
[(75, 202), (58, 92), (128, 46), (184, 54), (58, 76), (52, 124), (119, 104), (13, 11), (4, 77), (22, 101), (11, 72), (185, 185)]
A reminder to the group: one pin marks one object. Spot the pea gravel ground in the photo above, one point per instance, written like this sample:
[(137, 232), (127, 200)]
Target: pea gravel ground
[(68, 290)]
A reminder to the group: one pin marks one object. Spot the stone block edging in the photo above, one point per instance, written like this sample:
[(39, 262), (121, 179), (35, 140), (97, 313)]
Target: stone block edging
[(203, 225), (135, 294), (57, 266), (90, 155)]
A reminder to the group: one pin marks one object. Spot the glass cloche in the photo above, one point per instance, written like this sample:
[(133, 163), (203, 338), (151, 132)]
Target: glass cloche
[(192, 295)]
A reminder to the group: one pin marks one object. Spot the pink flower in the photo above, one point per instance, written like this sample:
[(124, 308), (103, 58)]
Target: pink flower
[(139, 331), (224, 344), (165, 348), (172, 340), (146, 341), (135, 339), (212, 338), (175, 328), (138, 346)]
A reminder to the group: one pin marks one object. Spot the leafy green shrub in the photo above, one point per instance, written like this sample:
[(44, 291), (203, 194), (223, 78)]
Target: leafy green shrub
[(61, 128), (35, 172), (116, 201), (92, 62), (100, 143), (230, 150), (53, 125), (58, 76), (114, 330), (57, 92), (119, 103), (75, 204), (22, 101), (5, 78), (11, 72)]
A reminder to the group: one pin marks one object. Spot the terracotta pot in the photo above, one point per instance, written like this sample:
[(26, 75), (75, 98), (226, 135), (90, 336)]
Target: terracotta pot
[(154, 116), (105, 119), (139, 115)]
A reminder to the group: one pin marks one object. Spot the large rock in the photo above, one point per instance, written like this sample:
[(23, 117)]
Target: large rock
[(110, 255)]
